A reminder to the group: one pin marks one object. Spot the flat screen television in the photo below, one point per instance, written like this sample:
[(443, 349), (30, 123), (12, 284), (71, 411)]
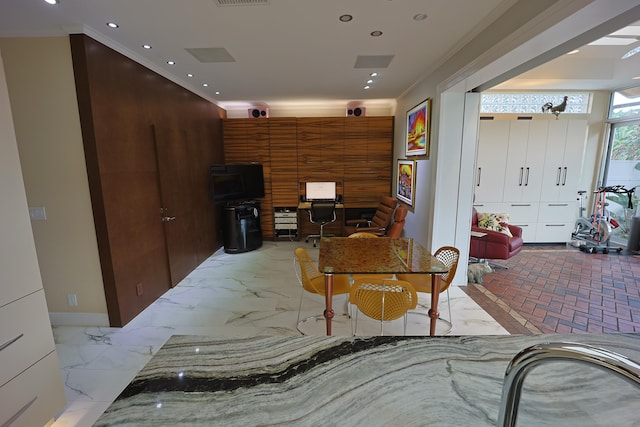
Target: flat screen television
[(237, 182)]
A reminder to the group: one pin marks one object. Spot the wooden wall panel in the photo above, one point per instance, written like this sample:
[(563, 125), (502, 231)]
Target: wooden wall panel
[(284, 162), (355, 152), (247, 141), (119, 101)]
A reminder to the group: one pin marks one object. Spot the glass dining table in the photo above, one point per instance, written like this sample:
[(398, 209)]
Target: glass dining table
[(343, 255)]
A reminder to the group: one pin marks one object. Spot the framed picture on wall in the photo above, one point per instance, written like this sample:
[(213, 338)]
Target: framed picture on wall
[(418, 129), (406, 185)]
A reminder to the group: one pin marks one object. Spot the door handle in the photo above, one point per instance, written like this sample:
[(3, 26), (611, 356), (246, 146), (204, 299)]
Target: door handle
[(520, 182), (168, 218)]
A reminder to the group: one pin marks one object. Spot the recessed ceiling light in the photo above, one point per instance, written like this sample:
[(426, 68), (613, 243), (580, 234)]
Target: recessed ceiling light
[(573, 52), (112, 25), (217, 93), (146, 46), (419, 16), (345, 18), (374, 74), (51, 1), (189, 75), (171, 62), (376, 33), (632, 52), (369, 81), (367, 87)]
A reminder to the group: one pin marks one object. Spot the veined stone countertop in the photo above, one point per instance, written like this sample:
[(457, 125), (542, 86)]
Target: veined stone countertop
[(376, 381)]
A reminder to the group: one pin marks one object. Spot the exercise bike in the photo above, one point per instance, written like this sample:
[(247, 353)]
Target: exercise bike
[(594, 233)]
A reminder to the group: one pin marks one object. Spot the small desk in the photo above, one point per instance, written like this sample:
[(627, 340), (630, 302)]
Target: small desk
[(342, 255), (480, 236)]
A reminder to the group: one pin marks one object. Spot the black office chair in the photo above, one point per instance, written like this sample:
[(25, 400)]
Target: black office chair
[(321, 213)]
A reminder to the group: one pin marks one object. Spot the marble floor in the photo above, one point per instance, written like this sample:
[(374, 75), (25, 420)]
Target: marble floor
[(241, 295)]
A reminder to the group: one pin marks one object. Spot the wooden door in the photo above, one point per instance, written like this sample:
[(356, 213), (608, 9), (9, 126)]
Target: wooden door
[(176, 191)]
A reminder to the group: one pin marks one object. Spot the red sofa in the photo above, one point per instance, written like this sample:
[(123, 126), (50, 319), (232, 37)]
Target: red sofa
[(495, 245)]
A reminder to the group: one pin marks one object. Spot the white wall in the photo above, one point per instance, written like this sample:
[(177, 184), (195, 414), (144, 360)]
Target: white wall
[(489, 57), (39, 75)]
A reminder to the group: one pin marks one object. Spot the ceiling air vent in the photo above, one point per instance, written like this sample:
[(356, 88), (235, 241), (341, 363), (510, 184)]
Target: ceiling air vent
[(240, 2)]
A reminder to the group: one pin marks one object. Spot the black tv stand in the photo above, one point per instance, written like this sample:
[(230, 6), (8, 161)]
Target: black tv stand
[(242, 230)]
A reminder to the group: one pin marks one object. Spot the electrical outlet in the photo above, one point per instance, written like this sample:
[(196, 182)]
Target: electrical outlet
[(72, 299), (139, 289), (38, 213)]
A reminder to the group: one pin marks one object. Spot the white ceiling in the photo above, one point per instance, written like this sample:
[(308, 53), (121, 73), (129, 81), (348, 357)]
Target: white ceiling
[(298, 50)]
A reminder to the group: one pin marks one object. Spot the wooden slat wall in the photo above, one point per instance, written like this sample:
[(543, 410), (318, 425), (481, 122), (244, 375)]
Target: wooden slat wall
[(284, 164), (247, 141), (355, 152)]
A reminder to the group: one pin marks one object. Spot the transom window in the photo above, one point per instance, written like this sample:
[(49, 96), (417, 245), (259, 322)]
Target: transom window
[(532, 102)]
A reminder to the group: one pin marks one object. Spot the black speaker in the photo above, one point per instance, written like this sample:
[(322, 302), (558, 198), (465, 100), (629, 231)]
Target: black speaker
[(356, 111), (258, 112)]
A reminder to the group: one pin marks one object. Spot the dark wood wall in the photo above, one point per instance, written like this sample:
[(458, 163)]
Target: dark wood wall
[(122, 106)]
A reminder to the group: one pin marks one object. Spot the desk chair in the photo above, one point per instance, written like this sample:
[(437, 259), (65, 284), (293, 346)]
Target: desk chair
[(382, 300), (321, 213), (449, 256)]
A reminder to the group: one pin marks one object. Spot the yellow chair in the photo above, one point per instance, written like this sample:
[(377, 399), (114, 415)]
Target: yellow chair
[(449, 256), (312, 280), (382, 300)]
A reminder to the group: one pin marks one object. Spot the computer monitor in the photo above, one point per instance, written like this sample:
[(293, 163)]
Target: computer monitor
[(320, 191)]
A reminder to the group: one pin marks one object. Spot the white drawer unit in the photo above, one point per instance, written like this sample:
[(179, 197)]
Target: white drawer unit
[(23, 343), (286, 222), (33, 397)]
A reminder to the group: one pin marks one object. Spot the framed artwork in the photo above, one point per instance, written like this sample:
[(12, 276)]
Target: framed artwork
[(418, 129), (406, 184)]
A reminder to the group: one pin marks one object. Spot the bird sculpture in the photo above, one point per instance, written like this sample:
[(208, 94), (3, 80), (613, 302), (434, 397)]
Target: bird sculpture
[(549, 108)]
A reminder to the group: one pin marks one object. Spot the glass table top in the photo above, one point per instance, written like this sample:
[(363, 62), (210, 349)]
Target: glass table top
[(381, 255)]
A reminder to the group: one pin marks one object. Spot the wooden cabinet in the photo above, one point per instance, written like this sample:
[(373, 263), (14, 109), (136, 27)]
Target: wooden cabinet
[(535, 168), (355, 152), (320, 149), (368, 158), (284, 163)]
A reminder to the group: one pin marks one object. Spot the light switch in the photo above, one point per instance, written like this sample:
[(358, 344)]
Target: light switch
[(38, 213)]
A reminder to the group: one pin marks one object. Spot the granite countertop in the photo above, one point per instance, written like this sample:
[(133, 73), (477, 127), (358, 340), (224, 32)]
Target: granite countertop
[(377, 381)]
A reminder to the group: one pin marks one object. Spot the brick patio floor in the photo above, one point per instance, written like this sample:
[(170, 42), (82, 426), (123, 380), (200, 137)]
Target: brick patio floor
[(559, 289)]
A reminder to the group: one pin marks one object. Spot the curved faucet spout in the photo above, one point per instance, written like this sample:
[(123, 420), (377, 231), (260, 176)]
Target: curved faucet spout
[(535, 355)]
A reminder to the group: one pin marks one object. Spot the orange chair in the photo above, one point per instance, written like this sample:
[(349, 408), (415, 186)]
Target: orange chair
[(449, 256), (396, 227), (380, 221), (312, 280)]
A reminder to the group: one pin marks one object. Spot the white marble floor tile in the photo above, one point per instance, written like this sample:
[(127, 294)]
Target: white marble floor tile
[(251, 294)]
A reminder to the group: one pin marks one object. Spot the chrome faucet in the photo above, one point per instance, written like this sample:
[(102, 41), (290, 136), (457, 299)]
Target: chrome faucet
[(535, 355)]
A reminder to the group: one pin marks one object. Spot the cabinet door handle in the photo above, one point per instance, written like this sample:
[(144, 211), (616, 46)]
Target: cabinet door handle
[(521, 172), (564, 180), (558, 176), (526, 179), (18, 414), (479, 175), (521, 204), (558, 204), (554, 225), (8, 343)]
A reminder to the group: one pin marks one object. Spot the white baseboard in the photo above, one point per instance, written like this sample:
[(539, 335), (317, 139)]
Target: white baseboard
[(79, 319)]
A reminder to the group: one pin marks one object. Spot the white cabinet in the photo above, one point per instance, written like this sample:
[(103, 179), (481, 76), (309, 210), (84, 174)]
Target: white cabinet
[(491, 160), (536, 181), (563, 161), (525, 160)]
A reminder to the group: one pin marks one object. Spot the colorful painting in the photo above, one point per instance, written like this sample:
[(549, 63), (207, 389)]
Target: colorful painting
[(418, 129), (406, 181)]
